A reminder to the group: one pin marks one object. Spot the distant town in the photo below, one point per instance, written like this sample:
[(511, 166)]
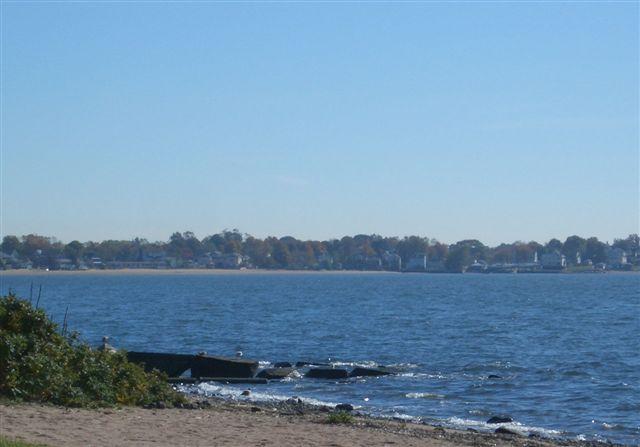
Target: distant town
[(231, 249)]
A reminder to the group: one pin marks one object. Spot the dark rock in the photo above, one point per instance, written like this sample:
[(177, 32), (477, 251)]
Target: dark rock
[(506, 431), (472, 430), (275, 373), (210, 366), (160, 405), (324, 409), (256, 409), (344, 407), (494, 376), (499, 420), (327, 373), (171, 364), (282, 365), (246, 393), (362, 372)]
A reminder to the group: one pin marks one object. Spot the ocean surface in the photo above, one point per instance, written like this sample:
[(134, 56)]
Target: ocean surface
[(567, 347)]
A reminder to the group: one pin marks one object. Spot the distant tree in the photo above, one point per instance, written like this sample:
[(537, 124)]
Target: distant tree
[(281, 254), (595, 250), (9, 244), (459, 258), (553, 244), (573, 245), (477, 250), (523, 252), (73, 250), (411, 246), (631, 244), (438, 251)]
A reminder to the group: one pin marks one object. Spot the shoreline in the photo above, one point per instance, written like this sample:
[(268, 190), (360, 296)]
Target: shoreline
[(219, 422), (240, 272), (189, 272)]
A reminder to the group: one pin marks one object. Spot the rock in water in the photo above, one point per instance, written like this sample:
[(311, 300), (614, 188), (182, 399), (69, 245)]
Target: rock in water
[(327, 373), (344, 407), (246, 393), (371, 372), (499, 420), (282, 365), (275, 373), (210, 366), (171, 364)]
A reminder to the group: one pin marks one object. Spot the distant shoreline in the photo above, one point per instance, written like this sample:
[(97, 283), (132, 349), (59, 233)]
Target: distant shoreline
[(187, 272), (239, 272)]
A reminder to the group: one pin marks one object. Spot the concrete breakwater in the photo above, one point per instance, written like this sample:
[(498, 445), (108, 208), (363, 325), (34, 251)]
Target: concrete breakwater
[(203, 367)]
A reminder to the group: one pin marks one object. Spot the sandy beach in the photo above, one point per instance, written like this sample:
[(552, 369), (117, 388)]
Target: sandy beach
[(230, 424)]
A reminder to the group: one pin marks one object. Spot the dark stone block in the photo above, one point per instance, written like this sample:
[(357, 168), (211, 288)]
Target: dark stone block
[(210, 366), (499, 420), (171, 364), (327, 373)]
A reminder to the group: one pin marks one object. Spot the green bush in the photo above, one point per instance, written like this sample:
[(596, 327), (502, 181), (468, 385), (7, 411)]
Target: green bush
[(37, 363), (340, 417)]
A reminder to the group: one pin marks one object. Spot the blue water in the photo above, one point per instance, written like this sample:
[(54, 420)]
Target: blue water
[(566, 346)]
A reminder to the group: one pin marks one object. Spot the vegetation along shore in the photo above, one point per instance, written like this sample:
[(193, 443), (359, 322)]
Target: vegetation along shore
[(233, 250)]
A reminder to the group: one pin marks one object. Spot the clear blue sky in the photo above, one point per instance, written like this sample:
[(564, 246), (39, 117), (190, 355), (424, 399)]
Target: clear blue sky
[(497, 121)]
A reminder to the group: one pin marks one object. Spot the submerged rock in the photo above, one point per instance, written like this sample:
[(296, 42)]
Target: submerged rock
[(275, 373), (360, 371), (327, 373), (493, 376), (499, 420), (301, 364)]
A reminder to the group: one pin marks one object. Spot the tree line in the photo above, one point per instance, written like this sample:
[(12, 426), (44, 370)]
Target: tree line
[(348, 252)]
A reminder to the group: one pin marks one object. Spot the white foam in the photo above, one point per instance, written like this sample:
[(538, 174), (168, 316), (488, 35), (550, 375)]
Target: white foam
[(424, 396), (513, 426), (228, 392), (364, 364)]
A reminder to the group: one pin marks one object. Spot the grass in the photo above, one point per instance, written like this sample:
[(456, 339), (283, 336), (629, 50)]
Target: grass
[(340, 417), (5, 442)]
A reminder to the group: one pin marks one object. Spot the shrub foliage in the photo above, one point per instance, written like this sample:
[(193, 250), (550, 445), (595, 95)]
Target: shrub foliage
[(37, 363)]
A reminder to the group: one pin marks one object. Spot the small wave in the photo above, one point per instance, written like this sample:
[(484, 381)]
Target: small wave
[(456, 422), (363, 364), (232, 393), (608, 426), (424, 396), (264, 363), (403, 366)]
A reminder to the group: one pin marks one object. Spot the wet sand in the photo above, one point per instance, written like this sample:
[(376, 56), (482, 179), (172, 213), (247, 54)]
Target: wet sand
[(223, 423)]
